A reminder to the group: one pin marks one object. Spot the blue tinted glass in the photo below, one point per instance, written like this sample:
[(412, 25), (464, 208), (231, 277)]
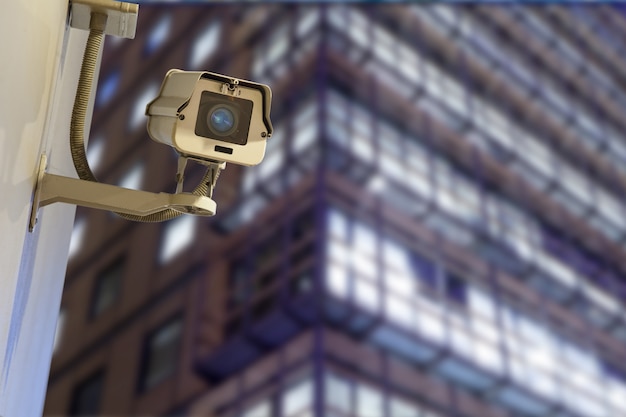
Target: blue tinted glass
[(107, 88), (222, 119), (425, 270), (158, 35)]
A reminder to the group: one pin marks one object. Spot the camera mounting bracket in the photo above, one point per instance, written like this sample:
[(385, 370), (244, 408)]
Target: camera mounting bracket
[(51, 188), (121, 17)]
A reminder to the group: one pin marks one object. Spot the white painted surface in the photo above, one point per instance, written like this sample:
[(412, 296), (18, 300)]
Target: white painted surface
[(38, 75)]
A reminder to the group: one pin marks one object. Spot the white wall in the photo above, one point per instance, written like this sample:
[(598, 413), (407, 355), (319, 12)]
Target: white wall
[(40, 61)]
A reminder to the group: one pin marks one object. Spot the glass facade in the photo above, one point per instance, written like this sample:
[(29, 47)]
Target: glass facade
[(344, 396), (444, 308), (431, 307)]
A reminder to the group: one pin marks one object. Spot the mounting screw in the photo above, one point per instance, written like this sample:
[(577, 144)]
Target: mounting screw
[(181, 117), (263, 134)]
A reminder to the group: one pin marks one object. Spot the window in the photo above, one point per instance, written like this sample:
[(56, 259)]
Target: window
[(78, 233), (306, 135), (108, 87), (369, 401), (348, 397), (455, 288), (309, 18), (95, 149), (161, 353), (259, 410), (138, 114), (298, 398), (86, 396), (133, 178), (107, 287), (158, 34), (274, 161), (178, 234), (206, 43), (271, 56), (401, 408), (58, 331), (338, 394)]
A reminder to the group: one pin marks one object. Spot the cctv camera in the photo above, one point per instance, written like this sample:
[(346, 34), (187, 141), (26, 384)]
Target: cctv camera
[(211, 118), (204, 116)]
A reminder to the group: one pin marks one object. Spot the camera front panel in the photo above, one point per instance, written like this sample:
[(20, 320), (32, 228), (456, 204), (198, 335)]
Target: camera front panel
[(224, 118)]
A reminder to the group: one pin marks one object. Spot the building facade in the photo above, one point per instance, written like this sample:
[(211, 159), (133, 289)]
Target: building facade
[(438, 227)]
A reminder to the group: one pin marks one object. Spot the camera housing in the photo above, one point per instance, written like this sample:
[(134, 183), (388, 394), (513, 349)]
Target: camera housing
[(211, 117)]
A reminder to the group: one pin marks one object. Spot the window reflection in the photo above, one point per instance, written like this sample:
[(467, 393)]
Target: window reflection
[(444, 308), (138, 114), (178, 234), (206, 43), (158, 34), (78, 234)]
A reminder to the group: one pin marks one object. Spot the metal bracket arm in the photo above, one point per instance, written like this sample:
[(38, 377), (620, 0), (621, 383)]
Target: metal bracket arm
[(52, 188), (59, 189)]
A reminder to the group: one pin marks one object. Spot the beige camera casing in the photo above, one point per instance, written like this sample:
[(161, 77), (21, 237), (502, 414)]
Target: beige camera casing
[(172, 117)]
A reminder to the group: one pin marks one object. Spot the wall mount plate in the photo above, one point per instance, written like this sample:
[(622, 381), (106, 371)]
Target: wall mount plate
[(43, 162), (121, 16)]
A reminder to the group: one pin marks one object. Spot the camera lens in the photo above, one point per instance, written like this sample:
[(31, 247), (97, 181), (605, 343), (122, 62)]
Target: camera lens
[(222, 120)]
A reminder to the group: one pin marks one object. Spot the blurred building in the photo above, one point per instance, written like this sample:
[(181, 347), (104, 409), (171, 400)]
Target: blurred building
[(438, 227)]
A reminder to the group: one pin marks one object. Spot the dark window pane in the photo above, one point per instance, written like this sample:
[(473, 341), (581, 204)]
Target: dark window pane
[(613, 371), (107, 287), (425, 270), (161, 353), (86, 396), (456, 289)]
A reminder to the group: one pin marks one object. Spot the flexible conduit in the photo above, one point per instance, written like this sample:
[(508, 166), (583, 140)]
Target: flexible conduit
[(77, 124)]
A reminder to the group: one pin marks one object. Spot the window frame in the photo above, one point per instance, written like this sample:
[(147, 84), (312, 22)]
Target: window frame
[(144, 384), (118, 262)]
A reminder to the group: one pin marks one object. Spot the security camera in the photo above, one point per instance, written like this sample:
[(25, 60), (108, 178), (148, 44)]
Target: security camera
[(207, 117), (211, 118)]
